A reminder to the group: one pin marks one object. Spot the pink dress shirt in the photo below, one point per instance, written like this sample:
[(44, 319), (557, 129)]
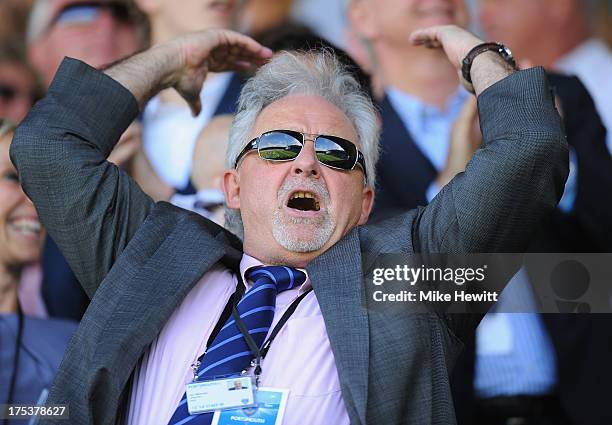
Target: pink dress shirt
[(300, 359)]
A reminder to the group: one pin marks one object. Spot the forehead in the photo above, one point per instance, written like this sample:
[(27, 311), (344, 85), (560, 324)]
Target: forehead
[(307, 114)]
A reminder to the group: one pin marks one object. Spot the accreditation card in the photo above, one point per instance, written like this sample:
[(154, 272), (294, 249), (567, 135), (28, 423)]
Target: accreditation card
[(206, 396), (268, 410)]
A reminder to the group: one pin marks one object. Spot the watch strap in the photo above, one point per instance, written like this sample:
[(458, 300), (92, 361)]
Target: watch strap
[(467, 62)]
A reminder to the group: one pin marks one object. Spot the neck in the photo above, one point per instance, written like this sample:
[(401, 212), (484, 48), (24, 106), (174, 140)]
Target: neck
[(159, 32), (424, 73), (9, 279)]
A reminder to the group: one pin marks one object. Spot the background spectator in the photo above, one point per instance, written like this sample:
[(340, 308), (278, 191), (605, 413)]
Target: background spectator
[(557, 34), (98, 33), (169, 129), (30, 349)]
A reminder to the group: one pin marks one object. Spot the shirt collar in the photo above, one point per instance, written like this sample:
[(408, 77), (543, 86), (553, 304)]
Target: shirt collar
[(247, 262), (414, 104), (582, 56), (415, 114)]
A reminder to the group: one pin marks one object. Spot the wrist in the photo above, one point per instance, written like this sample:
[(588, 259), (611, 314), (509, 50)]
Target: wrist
[(487, 55), (170, 59), (487, 69)]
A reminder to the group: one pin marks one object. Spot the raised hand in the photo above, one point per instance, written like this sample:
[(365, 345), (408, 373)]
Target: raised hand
[(455, 41), (215, 51), (184, 62), (487, 68)]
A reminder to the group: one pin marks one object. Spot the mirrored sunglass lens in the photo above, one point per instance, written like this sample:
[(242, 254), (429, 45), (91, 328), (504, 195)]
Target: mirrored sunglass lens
[(335, 153), (278, 146)]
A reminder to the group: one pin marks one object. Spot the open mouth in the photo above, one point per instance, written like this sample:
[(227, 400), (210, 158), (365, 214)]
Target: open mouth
[(303, 201)]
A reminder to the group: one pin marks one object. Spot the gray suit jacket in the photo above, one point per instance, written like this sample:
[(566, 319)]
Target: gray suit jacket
[(138, 259)]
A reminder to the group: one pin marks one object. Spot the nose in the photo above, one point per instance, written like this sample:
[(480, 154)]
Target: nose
[(306, 163)]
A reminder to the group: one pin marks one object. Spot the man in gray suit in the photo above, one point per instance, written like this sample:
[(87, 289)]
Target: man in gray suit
[(159, 277)]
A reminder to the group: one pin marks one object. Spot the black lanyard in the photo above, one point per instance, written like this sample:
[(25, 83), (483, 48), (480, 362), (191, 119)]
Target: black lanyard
[(258, 354), (227, 311), (16, 358)]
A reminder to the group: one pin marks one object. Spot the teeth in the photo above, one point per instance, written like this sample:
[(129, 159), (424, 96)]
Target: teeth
[(302, 195), (27, 226)]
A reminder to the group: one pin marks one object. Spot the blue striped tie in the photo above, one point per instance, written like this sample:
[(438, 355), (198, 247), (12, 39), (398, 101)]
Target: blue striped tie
[(229, 352)]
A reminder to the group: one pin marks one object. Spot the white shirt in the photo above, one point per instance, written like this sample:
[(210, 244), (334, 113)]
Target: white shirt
[(169, 131), (591, 62)]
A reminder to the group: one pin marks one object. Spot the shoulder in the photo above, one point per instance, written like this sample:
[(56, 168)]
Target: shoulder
[(390, 235)]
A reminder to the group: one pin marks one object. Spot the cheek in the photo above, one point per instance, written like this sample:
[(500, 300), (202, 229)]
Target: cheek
[(346, 206), (9, 200), (259, 196)]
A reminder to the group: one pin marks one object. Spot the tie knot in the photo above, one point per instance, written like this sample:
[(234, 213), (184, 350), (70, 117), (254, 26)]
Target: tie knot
[(282, 276)]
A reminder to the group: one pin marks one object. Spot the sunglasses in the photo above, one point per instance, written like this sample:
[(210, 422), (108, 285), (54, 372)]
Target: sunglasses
[(87, 12), (285, 145)]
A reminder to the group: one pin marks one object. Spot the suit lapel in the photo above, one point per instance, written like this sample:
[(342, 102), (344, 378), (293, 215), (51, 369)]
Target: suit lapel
[(337, 281), (137, 313)]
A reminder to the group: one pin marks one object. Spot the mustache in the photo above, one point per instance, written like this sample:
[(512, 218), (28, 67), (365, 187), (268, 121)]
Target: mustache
[(310, 185)]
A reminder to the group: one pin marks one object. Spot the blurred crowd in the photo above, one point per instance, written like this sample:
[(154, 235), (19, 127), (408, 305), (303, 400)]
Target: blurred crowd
[(547, 369)]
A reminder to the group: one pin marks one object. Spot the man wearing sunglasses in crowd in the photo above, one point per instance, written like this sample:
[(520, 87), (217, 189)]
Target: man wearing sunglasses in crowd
[(97, 31), (179, 302)]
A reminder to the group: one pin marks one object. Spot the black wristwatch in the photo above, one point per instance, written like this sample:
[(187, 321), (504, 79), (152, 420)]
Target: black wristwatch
[(502, 50)]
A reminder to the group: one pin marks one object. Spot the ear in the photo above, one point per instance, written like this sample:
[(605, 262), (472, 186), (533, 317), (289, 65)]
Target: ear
[(367, 204), (231, 188), (362, 20)]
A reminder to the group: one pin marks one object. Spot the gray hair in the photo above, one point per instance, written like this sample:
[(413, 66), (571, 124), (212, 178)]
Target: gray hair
[(305, 73)]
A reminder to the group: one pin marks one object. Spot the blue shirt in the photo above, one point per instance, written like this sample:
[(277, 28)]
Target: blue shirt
[(41, 351)]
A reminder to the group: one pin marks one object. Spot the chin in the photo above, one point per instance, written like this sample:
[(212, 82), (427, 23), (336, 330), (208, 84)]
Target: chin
[(302, 238)]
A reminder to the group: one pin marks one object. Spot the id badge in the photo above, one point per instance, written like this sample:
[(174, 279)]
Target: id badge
[(268, 410), (229, 393)]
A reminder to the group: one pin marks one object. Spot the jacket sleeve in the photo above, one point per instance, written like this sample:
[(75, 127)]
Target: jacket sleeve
[(511, 183), (89, 206)]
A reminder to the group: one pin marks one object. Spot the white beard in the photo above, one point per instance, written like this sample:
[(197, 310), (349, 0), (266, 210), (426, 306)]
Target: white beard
[(282, 225)]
